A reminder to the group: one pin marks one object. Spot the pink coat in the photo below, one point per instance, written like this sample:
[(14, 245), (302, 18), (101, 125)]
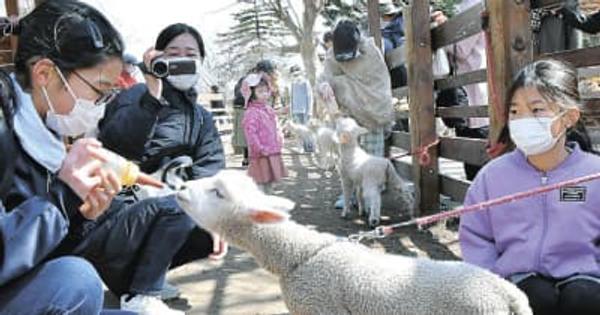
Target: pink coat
[(260, 128)]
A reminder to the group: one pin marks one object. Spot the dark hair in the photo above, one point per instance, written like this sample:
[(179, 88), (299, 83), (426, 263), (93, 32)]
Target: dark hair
[(265, 66), (174, 30), (72, 34), (7, 97), (346, 37), (556, 81)]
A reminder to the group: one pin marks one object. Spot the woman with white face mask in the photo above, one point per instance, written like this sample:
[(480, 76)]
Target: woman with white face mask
[(548, 245), (67, 59), (155, 123)]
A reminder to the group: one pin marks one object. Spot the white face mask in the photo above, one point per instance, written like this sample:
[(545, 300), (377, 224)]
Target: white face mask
[(533, 135), (184, 82), (84, 116)]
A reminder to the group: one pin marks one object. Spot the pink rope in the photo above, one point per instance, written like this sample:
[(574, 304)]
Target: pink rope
[(422, 153), (489, 203)]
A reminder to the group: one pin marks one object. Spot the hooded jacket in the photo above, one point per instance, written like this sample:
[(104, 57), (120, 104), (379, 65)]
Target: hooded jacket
[(260, 129), (39, 216), (362, 86), (556, 234)]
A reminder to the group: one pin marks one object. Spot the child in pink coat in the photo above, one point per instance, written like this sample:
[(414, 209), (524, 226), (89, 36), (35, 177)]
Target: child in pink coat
[(262, 135)]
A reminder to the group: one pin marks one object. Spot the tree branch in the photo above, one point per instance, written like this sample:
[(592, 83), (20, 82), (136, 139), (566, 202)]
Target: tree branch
[(295, 14), (290, 49), (285, 18)]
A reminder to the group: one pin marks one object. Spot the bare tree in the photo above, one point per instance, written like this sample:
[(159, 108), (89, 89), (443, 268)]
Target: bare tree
[(301, 28)]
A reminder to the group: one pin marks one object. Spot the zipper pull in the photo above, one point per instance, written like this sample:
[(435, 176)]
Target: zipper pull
[(48, 181), (544, 179)]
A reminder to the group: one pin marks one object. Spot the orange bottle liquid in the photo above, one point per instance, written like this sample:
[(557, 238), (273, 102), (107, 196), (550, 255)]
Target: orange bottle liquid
[(128, 172)]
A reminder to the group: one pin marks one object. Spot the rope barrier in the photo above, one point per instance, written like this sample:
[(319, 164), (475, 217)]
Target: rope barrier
[(383, 231), (422, 152)]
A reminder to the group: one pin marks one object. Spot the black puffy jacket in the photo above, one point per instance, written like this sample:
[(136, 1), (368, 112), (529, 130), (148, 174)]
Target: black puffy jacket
[(39, 214), (153, 132)]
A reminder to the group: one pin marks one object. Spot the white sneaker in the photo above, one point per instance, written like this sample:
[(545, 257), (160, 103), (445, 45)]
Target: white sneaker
[(147, 305)]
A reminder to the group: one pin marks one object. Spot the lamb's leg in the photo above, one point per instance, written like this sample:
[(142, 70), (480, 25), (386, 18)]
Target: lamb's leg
[(375, 210), (360, 200), (347, 191)]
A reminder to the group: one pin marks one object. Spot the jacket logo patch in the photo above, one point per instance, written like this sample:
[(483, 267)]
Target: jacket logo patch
[(573, 194)]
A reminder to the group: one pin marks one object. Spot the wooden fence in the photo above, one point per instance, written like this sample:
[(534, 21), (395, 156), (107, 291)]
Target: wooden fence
[(509, 49)]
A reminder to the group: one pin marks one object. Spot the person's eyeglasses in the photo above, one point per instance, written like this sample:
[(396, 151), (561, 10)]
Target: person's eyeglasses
[(105, 96)]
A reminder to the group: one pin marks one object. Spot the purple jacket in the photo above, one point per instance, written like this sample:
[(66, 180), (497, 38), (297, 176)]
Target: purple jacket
[(556, 234)]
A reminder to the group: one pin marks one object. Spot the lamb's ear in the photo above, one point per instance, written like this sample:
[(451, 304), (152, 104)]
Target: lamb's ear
[(341, 137), (267, 216), (270, 209)]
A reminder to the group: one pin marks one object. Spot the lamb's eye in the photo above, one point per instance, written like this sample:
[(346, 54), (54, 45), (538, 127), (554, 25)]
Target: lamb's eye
[(217, 193)]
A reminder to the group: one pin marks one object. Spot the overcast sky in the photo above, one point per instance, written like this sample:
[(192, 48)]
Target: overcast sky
[(140, 21)]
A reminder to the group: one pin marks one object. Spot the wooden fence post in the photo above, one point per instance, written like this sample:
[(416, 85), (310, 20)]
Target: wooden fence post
[(9, 44), (511, 49), (374, 26), (422, 110)]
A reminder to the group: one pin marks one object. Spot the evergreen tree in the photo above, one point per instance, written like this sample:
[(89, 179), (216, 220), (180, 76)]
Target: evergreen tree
[(257, 31), (338, 9)]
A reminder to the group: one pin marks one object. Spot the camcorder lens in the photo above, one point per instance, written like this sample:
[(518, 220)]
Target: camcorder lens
[(160, 68)]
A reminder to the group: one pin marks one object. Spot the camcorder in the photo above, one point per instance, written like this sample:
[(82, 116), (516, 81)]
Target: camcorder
[(164, 67)]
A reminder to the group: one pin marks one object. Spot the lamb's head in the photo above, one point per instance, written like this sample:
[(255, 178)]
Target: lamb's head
[(208, 201), (347, 131)]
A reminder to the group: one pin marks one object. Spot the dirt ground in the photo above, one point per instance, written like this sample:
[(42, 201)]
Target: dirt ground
[(237, 285)]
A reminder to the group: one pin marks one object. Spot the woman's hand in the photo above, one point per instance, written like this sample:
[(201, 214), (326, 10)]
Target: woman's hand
[(82, 172), (100, 197), (326, 92), (438, 17), (154, 84)]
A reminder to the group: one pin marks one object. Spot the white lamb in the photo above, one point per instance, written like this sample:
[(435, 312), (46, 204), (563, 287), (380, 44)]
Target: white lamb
[(327, 150), (322, 274), (303, 132), (365, 175)]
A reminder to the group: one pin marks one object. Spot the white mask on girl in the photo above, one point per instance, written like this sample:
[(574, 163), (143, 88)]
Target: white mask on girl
[(84, 116), (533, 135)]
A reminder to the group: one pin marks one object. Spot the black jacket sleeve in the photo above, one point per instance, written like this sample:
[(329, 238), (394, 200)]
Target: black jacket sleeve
[(209, 157), (587, 23), (129, 122)]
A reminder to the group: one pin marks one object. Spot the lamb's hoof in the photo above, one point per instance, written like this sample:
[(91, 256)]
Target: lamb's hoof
[(345, 215)]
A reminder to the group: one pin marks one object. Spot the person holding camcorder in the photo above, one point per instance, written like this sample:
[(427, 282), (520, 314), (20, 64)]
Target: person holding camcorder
[(154, 124)]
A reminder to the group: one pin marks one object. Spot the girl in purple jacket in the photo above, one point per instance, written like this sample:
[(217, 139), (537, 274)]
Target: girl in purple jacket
[(549, 244)]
